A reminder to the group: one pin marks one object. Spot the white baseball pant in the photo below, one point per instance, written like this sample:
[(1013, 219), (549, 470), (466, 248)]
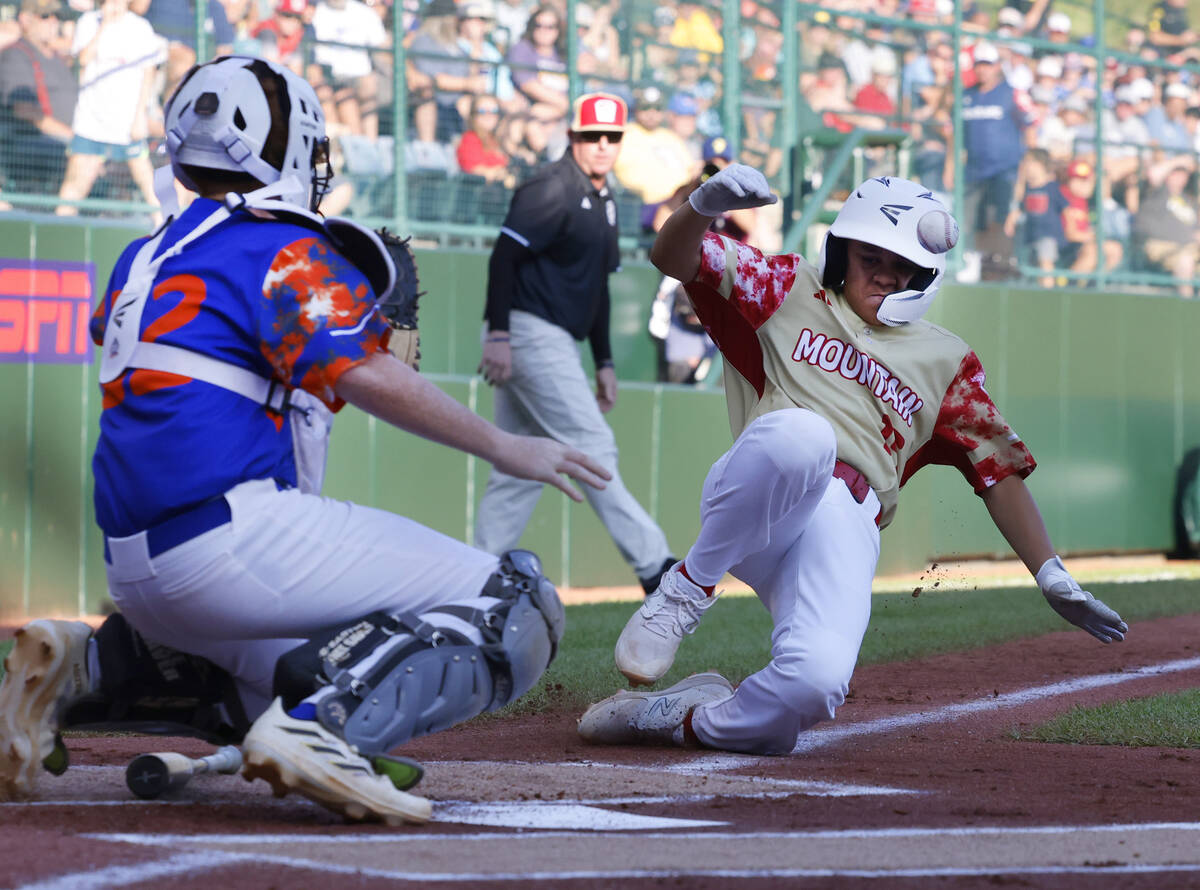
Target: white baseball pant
[(774, 517), (549, 395), (287, 565)]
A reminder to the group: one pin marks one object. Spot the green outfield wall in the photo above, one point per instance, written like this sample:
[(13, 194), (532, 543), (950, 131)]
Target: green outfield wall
[(1104, 387)]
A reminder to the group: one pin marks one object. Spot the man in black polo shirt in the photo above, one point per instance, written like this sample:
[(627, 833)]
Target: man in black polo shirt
[(1169, 31), (547, 289)]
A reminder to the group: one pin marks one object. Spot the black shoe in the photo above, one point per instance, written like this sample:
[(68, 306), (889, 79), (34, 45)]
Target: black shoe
[(650, 582)]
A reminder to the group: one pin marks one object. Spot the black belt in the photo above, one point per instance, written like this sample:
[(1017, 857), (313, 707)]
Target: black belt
[(182, 527)]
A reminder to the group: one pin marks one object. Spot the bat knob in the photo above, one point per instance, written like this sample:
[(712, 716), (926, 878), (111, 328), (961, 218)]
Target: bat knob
[(147, 776)]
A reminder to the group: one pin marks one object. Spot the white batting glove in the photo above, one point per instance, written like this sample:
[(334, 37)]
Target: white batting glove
[(734, 188), (1078, 606)]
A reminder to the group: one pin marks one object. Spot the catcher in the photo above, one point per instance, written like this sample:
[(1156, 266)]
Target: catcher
[(320, 633)]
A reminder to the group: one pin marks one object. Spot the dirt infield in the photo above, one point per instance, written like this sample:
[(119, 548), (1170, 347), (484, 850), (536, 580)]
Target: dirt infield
[(921, 779)]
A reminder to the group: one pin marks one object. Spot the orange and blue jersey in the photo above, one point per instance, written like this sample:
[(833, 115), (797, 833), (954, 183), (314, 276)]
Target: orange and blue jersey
[(273, 297)]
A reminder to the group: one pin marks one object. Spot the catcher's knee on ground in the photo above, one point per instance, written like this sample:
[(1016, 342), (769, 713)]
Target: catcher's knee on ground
[(391, 677), (151, 688)]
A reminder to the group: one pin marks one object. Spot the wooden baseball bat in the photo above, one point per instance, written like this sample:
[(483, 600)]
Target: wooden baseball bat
[(152, 775)]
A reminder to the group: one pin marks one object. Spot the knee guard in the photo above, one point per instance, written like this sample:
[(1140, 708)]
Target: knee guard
[(398, 676), (150, 688)]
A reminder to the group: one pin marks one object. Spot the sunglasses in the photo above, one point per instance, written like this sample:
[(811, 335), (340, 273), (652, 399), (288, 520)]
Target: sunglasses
[(593, 137), (487, 110), (546, 26)]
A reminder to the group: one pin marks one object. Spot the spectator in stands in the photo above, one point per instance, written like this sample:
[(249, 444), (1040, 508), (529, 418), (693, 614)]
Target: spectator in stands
[(1061, 134), (176, 21), (1048, 75), (827, 93), (658, 55), (598, 56), (926, 76), (1010, 22), (876, 100), (1168, 221), (1038, 204), (695, 29), (1058, 28), (118, 55), (1016, 59), (682, 111), (349, 69), (479, 151), (284, 35), (512, 17), (1168, 129), (1125, 139), (476, 21), (1081, 251), (37, 102), (539, 68), (443, 72), (696, 81), (525, 139), (994, 123), (1169, 30), (653, 161)]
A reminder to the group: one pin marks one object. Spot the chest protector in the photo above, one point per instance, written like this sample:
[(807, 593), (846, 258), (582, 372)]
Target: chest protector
[(310, 420)]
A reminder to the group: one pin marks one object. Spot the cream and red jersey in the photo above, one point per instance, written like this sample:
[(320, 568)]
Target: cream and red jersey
[(897, 397)]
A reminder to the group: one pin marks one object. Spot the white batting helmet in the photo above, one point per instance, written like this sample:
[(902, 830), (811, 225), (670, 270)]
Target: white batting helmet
[(901, 216), (219, 118)]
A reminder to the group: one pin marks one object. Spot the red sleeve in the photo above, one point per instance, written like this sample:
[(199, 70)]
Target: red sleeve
[(760, 284), (971, 435), (470, 152)]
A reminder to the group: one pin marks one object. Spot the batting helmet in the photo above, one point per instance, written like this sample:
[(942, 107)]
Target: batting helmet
[(219, 118), (901, 216)]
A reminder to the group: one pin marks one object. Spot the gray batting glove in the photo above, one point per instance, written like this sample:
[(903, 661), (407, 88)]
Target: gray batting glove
[(1078, 606), (734, 188)]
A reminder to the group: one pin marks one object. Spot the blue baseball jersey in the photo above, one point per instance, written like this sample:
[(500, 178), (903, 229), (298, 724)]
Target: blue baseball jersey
[(994, 123), (270, 296)]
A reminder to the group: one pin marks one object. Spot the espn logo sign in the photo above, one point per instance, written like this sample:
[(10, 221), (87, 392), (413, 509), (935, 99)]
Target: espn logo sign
[(45, 306)]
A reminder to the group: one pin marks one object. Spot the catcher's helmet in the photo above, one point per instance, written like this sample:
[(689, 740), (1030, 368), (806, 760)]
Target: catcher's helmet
[(887, 212), (219, 118)]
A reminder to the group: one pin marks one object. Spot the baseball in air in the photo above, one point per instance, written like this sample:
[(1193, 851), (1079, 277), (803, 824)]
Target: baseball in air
[(937, 231)]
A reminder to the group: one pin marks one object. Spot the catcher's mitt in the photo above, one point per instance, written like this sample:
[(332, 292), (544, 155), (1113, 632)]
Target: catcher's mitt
[(400, 308)]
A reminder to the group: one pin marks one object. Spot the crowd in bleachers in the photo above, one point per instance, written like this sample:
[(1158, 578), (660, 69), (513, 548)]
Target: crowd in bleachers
[(82, 84)]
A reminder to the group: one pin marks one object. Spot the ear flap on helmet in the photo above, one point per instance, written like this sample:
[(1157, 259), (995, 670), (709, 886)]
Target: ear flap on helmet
[(831, 264)]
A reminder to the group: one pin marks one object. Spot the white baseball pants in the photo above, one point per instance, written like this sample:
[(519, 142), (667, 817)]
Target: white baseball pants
[(774, 517), (549, 395), (287, 565)]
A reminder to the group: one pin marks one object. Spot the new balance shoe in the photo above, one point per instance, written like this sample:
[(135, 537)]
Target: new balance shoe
[(646, 648), (651, 718), (44, 672), (305, 757)]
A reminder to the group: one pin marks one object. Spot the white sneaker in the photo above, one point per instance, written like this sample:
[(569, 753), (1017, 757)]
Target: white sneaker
[(632, 718), (646, 648), (44, 672), (304, 756)]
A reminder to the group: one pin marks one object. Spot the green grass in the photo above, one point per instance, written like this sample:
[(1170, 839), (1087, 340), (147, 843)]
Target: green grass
[(1169, 721)]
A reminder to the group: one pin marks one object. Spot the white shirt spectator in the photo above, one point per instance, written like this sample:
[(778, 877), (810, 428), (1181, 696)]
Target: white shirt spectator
[(110, 84), (347, 21)]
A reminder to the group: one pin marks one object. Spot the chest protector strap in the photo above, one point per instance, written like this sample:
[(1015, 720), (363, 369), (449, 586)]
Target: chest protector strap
[(311, 421)]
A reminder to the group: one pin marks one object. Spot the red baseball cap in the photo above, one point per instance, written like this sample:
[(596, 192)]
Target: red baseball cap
[(291, 7), (599, 112), (1080, 170)]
